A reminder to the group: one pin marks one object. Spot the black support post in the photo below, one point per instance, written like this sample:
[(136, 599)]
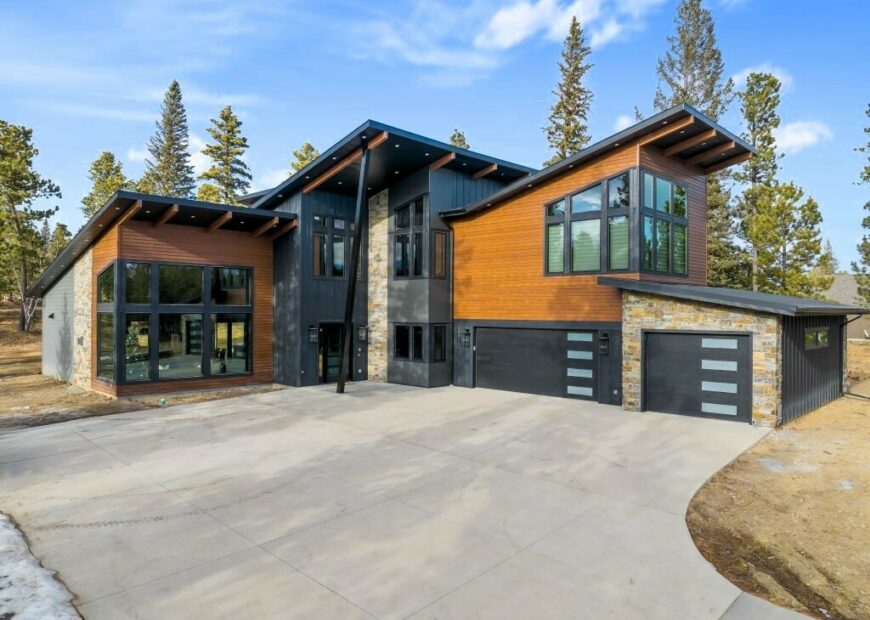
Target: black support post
[(360, 220)]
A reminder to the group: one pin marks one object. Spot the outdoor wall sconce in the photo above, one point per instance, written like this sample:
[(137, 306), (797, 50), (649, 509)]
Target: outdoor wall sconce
[(313, 335), (466, 338), (362, 333), (51, 316)]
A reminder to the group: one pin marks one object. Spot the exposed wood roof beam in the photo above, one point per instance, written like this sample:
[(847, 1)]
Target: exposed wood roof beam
[(130, 212), (442, 161), (284, 229), (667, 130), (271, 223), (485, 171), (688, 143), (728, 162), (220, 221), (167, 215), (715, 151), (373, 143)]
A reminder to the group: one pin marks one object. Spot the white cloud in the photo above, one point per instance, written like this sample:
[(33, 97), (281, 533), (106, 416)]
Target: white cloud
[(623, 121), (272, 177), (797, 136), (98, 111), (194, 95), (609, 31), (198, 159), (780, 73), (136, 155)]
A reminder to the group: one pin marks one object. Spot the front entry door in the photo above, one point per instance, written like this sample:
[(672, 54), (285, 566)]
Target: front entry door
[(329, 356)]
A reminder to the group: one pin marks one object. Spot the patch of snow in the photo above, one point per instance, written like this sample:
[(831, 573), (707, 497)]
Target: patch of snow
[(778, 467), (846, 485), (27, 590)]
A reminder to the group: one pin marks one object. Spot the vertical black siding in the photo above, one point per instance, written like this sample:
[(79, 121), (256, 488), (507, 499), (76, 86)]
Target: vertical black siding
[(810, 377)]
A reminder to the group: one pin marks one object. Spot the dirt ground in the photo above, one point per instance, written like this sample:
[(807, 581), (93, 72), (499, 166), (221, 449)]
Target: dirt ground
[(789, 520), (28, 398)]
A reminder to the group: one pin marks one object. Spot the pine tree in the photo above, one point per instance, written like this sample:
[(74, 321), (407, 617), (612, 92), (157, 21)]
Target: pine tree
[(168, 171), (228, 171), (568, 130), (758, 103), (692, 72), (692, 68), (861, 267), (107, 177), (828, 261), (790, 243), (56, 242), (20, 187), (208, 193), (457, 139), (303, 156)]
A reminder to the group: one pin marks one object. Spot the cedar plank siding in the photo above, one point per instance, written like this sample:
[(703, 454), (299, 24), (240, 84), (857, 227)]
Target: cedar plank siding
[(652, 159), (499, 257), (173, 243)]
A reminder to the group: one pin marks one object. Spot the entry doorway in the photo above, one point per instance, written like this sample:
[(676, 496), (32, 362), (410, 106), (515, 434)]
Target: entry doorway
[(329, 353)]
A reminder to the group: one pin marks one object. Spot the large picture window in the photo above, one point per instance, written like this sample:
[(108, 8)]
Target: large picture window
[(180, 346), (137, 346), (180, 284), (588, 231), (106, 285), (230, 286), (410, 235), (138, 283), (106, 346), (664, 234)]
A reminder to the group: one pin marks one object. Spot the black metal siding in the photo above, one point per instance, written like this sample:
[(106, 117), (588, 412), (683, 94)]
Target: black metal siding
[(810, 377)]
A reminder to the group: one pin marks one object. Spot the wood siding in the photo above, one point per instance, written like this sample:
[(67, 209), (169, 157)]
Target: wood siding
[(173, 243), (499, 257), (653, 160)]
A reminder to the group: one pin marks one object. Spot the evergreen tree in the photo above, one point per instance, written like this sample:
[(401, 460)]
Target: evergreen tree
[(303, 156), (457, 139), (790, 243), (568, 130), (692, 68), (21, 243), (168, 171), (107, 177), (638, 115), (828, 263), (228, 171), (59, 239), (861, 267), (691, 72), (208, 193), (758, 103)]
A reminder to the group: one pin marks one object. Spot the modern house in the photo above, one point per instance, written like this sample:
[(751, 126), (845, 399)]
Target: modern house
[(444, 266)]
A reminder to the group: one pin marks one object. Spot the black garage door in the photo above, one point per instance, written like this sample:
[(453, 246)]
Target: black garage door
[(705, 375), (537, 361)]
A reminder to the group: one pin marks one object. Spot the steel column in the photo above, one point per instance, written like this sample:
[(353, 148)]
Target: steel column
[(360, 220)]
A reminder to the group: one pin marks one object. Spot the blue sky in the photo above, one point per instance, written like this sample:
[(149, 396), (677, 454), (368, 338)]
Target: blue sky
[(89, 76)]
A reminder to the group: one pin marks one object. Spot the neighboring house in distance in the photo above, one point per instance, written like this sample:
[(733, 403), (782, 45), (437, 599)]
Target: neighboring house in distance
[(844, 290), (583, 280)]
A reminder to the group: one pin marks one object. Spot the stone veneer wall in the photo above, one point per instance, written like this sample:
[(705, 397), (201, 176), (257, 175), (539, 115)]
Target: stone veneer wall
[(82, 317), (642, 311), (378, 284)]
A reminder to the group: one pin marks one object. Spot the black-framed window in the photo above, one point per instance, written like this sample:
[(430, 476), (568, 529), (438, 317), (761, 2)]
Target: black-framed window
[(329, 246), (439, 254), (138, 283), (231, 344), (410, 239), (439, 343), (816, 337), (664, 229), (588, 230), (106, 285), (408, 342), (230, 286), (106, 345), (137, 347), (180, 284), (180, 345)]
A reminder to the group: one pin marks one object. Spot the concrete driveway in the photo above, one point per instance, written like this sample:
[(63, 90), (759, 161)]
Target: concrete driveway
[(387, 502)]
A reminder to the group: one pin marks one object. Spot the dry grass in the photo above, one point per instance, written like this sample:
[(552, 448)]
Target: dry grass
[(28, 398), (790, 518)]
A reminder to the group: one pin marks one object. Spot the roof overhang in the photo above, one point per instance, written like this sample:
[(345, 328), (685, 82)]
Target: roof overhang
[(736, 298), (680, 132), (401, 154), (158, 210)]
